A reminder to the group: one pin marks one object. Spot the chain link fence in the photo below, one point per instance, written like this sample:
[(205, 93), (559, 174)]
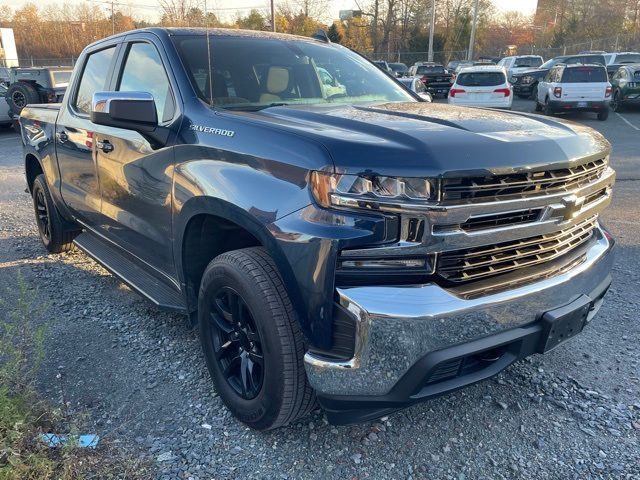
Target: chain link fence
[(38, 62)]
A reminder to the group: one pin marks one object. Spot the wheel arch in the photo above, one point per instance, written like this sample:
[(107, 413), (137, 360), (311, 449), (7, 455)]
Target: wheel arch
[(195, 244), (32, 168)]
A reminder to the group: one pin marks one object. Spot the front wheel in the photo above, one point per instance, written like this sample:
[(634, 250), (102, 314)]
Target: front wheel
[(56, 236), (251, 340)]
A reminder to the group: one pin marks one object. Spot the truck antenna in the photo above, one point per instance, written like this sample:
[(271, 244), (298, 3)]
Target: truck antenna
[(206, 23)]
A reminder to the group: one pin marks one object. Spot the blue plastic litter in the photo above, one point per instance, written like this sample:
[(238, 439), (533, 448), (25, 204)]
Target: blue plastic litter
[(84, 441)]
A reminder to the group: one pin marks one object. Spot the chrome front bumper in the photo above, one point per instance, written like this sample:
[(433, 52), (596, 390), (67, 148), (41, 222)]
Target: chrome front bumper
[(397, 326)]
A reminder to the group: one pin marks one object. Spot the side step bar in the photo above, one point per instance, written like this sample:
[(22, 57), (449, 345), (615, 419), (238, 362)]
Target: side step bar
[(161, 294)]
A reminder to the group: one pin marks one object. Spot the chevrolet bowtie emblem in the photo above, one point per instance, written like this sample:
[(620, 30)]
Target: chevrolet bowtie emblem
[(572, 205)]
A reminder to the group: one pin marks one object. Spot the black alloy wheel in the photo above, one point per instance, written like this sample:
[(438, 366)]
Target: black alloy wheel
[(19, 100), (236, 343), (615, 102), (42, 215)]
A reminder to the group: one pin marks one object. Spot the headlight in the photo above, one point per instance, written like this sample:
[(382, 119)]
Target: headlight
[(371, 193), (527, 79)]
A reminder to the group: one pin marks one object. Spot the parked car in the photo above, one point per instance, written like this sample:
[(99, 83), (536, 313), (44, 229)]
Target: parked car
[(575, 88), (481, 86), (383, 65), (416, 86), (626, 87), (520, 63), (367, 251), (5, 114), (4, 76), (525, 83), (399, 69), (451, 66), (36, 85), (622, 57), (434, 76)]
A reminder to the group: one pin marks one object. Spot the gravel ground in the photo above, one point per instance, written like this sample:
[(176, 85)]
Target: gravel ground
[(140, 377)]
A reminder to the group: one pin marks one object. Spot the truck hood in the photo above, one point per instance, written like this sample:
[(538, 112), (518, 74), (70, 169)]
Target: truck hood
[(426, 139)]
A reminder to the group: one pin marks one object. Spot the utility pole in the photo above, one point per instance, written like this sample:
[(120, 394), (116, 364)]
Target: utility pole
[(472, 38), (273, 17), (431, 30), (113, 21)]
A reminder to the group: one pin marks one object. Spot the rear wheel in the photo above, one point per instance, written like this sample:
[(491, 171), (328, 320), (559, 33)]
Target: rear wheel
[(603, 115), (21, 94), (616, 106), (54, 232), (534, 92), (251, 340), (547, 107)]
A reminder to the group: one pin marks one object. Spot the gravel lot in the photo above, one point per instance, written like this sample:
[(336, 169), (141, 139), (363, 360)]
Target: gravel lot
[(139, 374)]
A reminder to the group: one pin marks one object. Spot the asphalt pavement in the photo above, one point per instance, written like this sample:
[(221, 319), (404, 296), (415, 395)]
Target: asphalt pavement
[(139, 376)]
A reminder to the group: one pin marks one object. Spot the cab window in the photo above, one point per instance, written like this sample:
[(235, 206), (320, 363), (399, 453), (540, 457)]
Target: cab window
[(143, 72), (94, 78)]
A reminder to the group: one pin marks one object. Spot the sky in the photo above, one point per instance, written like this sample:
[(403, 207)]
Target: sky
[(149, 8)]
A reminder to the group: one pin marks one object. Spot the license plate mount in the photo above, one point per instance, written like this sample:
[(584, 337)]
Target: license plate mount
[(563, 323), (582, 104)]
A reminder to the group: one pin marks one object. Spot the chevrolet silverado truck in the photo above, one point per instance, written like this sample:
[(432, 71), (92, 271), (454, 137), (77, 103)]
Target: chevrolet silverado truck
[(364, 250)]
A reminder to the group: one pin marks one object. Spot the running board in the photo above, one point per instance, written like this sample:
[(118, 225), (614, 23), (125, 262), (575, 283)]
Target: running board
[(109, 256)]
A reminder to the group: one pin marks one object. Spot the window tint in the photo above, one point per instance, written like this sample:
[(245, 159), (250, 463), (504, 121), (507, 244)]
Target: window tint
[(94, 78), (480, 79), (584, 75), (143, 72), (430, 69), (528, 62), (628, 58)]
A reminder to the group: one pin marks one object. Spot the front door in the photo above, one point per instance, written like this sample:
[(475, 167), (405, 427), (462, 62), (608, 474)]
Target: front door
[(135, 178)]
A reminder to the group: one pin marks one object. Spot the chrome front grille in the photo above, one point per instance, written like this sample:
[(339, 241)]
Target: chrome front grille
[(521, 184), (487, 261)]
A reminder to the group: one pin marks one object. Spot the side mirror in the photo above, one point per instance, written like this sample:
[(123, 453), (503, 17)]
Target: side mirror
[(129, 110), (134, 111)]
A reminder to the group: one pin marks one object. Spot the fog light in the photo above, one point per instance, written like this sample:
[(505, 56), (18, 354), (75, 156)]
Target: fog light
[(382, 263)]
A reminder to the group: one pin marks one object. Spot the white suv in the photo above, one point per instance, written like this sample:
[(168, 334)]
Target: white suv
[(622, 57), (575, 87), (481, 86), (520, 63)]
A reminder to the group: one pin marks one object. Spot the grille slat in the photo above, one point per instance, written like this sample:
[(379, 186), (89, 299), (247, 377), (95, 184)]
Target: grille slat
[(522, 184), (483, 262)]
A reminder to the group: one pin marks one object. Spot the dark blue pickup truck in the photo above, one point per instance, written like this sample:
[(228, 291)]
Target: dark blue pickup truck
[(334, 241)]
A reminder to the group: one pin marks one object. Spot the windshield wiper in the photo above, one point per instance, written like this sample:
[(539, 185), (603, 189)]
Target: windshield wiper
[(253, 108)]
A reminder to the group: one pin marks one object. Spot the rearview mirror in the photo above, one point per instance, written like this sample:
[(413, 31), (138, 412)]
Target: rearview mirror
[(131, 111), (128, 110)]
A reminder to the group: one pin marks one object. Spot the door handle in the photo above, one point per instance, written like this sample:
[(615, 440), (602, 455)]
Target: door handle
[(105, 145), (62, 136)]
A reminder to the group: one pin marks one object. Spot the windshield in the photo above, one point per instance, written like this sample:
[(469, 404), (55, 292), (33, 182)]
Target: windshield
[(249, 73), (480, 79), (584, 75), (628, 58), (430, 69), (532, 62), (398, 67), (61, 78)]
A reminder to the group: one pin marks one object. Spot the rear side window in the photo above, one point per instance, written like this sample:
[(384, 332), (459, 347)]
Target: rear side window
[(594, 59), (584, 75), (480, 79), (94, 78), (144, 72)]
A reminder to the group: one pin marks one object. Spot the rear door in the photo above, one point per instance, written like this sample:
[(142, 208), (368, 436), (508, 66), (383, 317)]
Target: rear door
[(79, 187), (584, 83), (136, 178)]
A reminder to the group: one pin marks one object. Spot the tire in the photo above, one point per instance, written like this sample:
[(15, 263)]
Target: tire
[(538, 106), (55, 234), (547, 107), (616, 106), (247, 325), (603, 115), (534, 92), (21, 94)]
